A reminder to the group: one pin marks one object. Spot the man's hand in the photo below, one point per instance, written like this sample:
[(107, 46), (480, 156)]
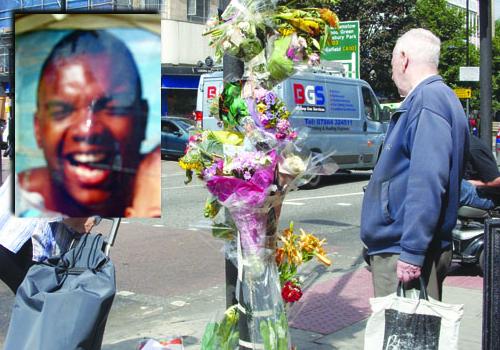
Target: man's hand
[(407, 272)]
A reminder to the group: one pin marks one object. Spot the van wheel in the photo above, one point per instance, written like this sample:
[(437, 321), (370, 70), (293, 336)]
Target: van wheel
[(315, 181), (481, 263)]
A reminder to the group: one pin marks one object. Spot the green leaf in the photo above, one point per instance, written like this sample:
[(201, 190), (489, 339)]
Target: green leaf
[(265, 333), (208, 339)]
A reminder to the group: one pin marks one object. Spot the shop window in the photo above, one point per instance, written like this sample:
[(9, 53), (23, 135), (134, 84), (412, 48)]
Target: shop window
[(198, 10)]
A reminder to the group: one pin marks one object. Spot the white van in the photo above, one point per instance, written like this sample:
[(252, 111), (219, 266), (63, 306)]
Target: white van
[(343, 114)]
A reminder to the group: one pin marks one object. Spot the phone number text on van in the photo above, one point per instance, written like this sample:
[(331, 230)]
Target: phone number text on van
[(315, 122)]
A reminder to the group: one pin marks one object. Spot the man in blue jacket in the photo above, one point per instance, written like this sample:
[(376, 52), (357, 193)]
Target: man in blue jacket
[(410, 205)]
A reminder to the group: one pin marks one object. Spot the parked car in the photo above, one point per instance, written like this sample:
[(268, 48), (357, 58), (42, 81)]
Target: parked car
[(174, 136)]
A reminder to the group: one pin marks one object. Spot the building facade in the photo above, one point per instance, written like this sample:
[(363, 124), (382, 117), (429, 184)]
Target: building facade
[(185, 52), (473, 17), (184, 49)]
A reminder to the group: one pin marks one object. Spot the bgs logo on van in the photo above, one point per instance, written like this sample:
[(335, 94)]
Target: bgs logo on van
[(309, 98)]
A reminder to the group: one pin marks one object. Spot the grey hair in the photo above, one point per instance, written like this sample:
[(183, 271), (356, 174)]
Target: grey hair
[(421, 45)]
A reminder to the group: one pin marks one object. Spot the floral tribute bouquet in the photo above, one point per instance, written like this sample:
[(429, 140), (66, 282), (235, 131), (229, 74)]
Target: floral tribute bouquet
[(259, 157), (293, 251), (273, 37)]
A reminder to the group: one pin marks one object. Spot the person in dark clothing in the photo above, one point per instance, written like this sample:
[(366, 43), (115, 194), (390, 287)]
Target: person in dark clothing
[(481, 185), (14, 266)]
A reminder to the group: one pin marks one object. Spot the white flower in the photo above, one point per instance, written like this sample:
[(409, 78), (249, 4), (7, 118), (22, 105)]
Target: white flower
[(293, 165), (226, 45), (244, 26), (302, 42)]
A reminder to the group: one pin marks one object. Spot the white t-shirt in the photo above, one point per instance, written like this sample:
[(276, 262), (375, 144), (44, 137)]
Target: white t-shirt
[(50, 236)]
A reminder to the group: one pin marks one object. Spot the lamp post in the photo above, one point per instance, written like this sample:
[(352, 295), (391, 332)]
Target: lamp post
[(485, 70)]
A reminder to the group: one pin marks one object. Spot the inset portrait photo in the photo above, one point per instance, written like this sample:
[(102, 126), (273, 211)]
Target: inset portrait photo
[(87, 115)]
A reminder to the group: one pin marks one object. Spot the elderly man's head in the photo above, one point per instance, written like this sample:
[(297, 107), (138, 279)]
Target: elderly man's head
[(90, 118), (416, 54)]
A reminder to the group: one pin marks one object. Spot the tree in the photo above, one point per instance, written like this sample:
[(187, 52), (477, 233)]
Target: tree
[(496, 68), (448, 23), (381, 23)]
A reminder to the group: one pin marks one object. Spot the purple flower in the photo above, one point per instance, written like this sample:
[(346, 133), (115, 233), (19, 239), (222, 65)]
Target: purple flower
[(270, 98), (209, 172), (290, 53)]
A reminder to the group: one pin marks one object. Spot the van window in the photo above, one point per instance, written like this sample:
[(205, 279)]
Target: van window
[(371, 107), (344, 101)]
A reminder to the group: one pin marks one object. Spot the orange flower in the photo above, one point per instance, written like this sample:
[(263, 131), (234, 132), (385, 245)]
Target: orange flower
[(329, 17), (311, 244)]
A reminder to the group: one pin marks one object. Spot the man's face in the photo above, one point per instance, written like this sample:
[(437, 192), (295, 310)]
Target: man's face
[(90, 124)]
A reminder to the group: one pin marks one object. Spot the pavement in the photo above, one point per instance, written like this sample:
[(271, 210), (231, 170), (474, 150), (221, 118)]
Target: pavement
[(332, 313)]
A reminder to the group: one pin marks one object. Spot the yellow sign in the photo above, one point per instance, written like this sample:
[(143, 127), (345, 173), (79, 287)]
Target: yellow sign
[(463, 93)]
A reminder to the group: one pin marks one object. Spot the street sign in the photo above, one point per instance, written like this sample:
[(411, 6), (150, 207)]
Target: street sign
[(345, 47), (469, 74), (463, 93)]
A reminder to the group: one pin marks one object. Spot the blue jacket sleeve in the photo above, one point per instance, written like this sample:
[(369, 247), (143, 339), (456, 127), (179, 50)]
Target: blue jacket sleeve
[(431, 152)]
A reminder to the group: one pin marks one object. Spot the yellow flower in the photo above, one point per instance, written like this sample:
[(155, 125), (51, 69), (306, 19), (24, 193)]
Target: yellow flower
[(261, 107), (286, 31), (195, 166)]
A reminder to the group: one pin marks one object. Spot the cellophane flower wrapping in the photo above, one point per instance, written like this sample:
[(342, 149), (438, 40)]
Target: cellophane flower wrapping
[(259, 294), (241, 29)]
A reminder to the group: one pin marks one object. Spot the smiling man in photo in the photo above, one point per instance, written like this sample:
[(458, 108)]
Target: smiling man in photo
[(90, 121)]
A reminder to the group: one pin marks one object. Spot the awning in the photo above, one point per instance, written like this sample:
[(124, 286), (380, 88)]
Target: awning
[(179, 82)]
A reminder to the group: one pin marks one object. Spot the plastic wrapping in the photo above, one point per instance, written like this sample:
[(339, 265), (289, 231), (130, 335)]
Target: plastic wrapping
[(223, 334), (240, 31), (259, 290), (273, 38)]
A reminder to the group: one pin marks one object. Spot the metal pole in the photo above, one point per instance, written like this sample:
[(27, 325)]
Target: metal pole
[(232, 69), (485, 70), (63, 5), (467, 36), (491, 285), (467, 107)]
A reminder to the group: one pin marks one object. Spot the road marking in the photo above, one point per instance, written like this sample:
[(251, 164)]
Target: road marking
[(158, 225), (323, 197), (124, 222), (158, 309), (179, 303), (344, 204), (293, 203), (125, 293), (174, 174), (183, 187)]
